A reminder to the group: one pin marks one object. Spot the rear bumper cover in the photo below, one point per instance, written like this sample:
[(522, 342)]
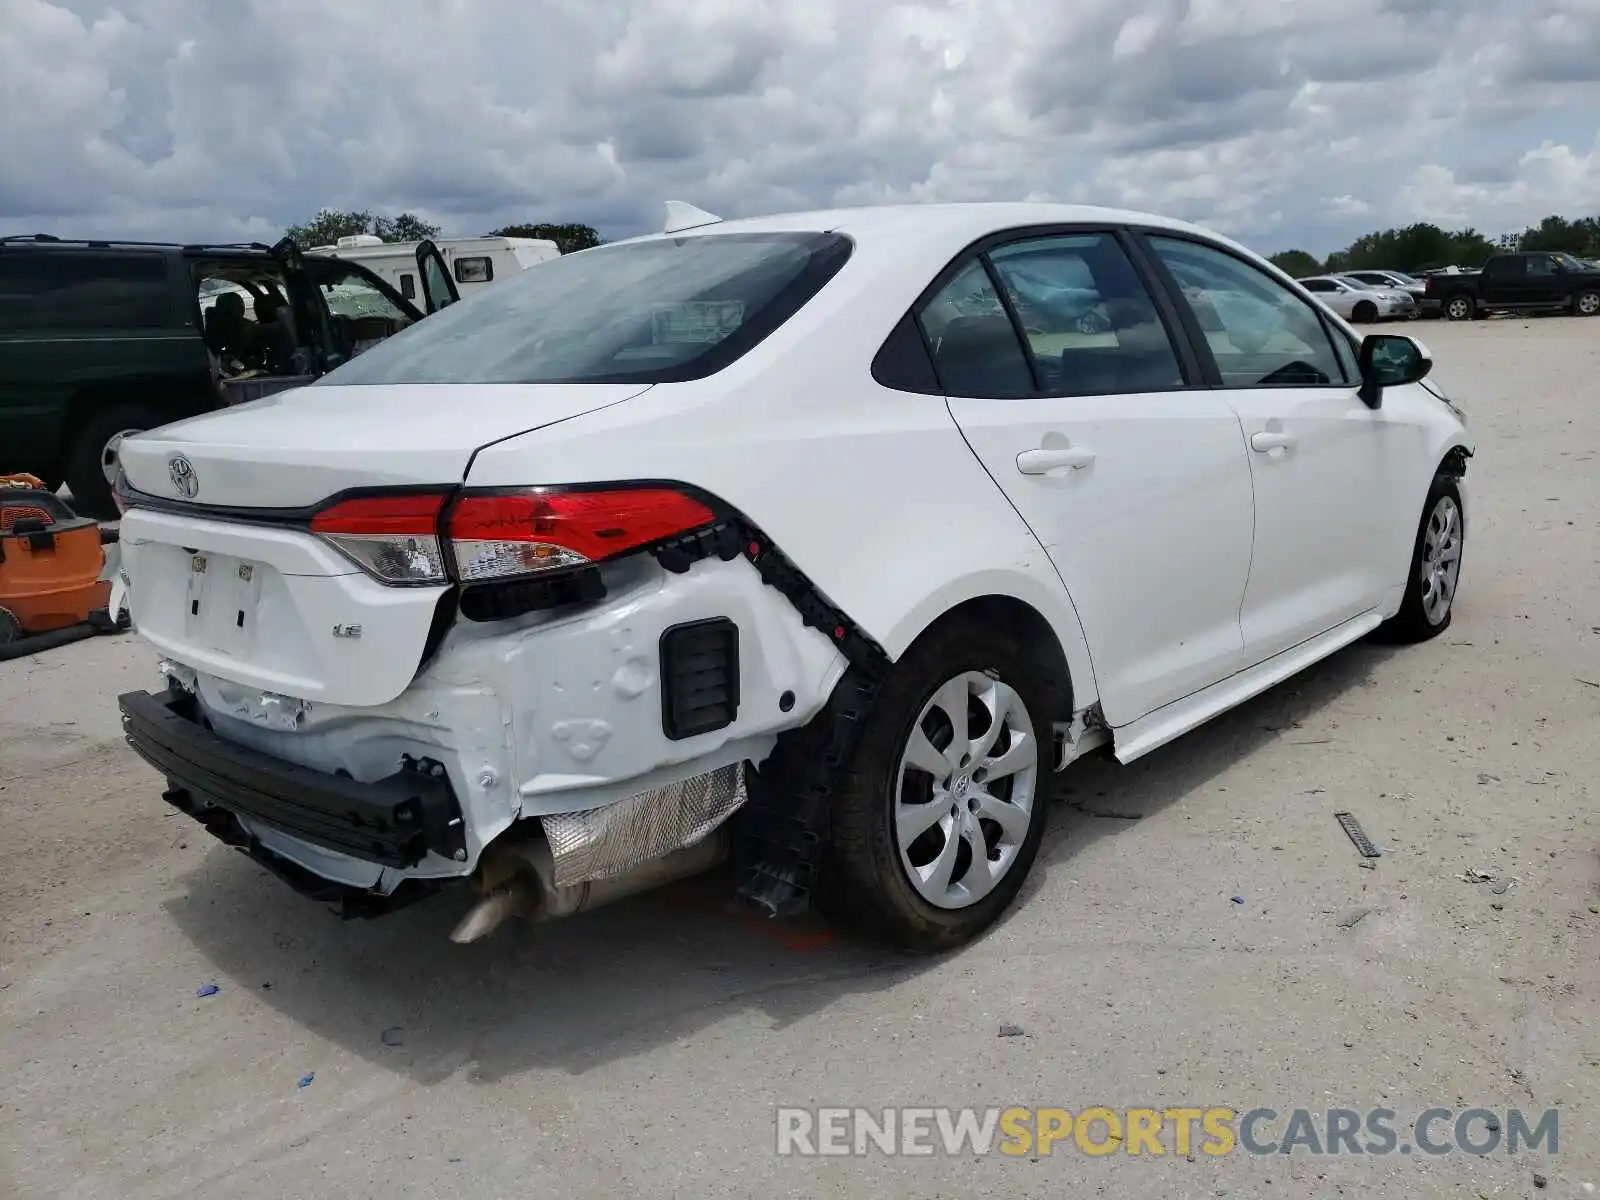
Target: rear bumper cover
[(396, 821)]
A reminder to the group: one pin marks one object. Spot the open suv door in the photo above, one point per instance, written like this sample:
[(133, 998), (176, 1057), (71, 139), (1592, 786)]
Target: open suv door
[(438, 289), (339, 309)]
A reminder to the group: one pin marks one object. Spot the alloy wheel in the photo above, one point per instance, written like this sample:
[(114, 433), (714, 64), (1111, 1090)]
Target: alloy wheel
[(1440, 564), (965, 790)]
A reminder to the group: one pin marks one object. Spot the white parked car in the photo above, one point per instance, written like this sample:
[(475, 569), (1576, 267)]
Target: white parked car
[(1416, 288), (1403, 303), (782, 539), (1359, 302)]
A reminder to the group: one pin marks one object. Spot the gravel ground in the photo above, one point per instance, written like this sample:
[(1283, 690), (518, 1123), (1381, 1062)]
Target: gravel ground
[(642, 1049)]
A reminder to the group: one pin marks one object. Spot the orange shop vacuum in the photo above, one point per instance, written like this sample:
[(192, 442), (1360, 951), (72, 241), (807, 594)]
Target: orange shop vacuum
[(51, 561)]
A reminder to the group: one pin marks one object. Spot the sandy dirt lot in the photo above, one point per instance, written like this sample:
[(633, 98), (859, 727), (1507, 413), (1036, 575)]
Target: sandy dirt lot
[(642, 1049)]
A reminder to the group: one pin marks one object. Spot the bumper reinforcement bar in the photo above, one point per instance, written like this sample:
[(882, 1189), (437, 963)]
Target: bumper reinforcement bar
[(394, 821)]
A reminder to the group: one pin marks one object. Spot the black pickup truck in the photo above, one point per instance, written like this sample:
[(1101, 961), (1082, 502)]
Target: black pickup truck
[(1536, 280)]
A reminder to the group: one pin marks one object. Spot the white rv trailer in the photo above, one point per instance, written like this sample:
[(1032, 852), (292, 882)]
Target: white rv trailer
[(473, 262)]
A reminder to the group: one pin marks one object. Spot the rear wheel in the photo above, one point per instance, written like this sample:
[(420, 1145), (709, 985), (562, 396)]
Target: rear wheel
[(1586, 304), (1430, 595), (940, 810), (96, 455), (1459, 308), (1365, 313)]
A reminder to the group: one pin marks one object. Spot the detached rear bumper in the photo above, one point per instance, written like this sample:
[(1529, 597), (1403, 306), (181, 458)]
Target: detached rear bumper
[(395, 822)]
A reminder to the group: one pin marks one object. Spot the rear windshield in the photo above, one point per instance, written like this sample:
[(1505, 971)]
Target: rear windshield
[(639, 312)]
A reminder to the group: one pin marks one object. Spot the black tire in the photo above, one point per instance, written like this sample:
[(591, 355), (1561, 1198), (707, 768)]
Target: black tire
[(10, 628), (1460, 308), (91, 491), (862, 883), (1412, 623), (1365, 313), (1586, 303)]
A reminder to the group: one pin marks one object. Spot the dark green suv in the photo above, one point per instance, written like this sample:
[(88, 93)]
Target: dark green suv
[(99, 340)]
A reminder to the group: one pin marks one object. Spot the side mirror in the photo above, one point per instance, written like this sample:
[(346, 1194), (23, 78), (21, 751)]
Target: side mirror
[(1391, 360)]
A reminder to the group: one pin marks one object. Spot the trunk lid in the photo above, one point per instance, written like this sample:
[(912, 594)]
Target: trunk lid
[(297, 448), (268, 605)]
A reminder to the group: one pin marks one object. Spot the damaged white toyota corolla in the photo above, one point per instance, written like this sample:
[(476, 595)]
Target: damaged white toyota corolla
[(811, 542)]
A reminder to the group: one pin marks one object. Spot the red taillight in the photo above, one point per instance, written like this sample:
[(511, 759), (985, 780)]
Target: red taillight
[(494, 536), (393, 537), (414, 513)]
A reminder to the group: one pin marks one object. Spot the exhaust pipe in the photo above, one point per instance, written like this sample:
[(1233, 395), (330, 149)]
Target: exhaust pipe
[(519, 881)]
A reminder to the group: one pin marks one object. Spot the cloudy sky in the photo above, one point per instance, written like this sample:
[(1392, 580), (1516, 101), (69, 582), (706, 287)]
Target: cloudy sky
[(1283, 122)]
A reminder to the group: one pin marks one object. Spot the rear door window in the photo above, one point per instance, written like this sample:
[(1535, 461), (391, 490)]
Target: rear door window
[(1091, 325), (69, 290)]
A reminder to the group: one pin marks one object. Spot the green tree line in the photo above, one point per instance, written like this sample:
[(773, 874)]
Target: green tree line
[(1425, 246), (329, 225)]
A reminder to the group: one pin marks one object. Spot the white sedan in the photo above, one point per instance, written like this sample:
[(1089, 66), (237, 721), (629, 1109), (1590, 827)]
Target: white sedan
[(789, 540), (1359, 302)]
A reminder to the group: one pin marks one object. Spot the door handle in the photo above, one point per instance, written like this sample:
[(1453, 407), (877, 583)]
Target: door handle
[(1044, 460), (1271, 439)]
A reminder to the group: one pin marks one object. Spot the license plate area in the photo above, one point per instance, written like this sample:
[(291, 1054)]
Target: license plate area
[(222, 600)]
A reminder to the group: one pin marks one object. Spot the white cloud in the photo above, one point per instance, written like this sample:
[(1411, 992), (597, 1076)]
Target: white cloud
[(1550, 178), (1282, 123)]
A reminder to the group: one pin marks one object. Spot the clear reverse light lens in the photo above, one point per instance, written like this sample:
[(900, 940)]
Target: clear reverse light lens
[(393, 538)]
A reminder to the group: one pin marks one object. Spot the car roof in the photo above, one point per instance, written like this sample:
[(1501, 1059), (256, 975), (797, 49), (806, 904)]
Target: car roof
[(936, 225)]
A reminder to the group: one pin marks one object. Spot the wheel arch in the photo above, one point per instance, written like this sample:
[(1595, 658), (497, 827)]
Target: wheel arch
[(1049, 624), (1453, 466), (1454, 461), (1450, 460)]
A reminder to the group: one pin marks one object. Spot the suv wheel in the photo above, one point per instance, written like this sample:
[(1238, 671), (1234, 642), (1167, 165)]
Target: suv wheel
[(1586, 304), (1458, 308), (940, 810), (94, 456)]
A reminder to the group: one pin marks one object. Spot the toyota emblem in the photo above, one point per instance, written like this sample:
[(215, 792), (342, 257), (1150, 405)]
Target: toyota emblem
[(184, 479)]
